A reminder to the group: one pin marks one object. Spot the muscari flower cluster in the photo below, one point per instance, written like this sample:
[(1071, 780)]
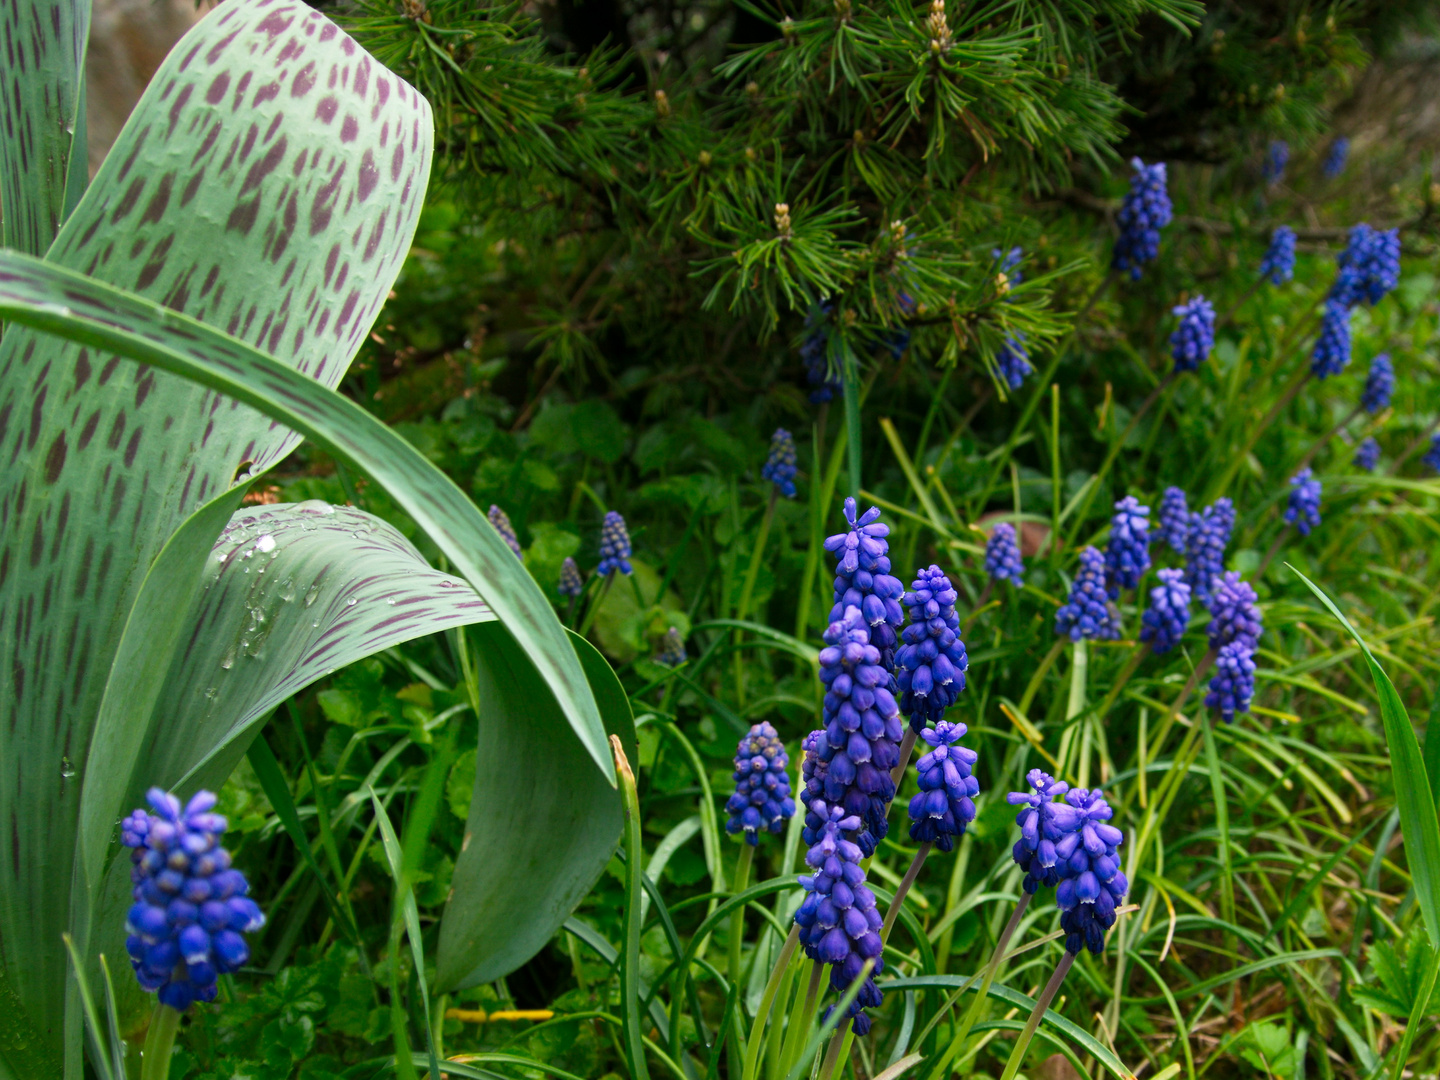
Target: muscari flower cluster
[(1367, 455), (1145, 211), (839, 923), (761, 801), (571, 583), (614, 546), (863, 579), (945, 804), (1164, 621), (1008, 263), (1127, 555), (1042, 823), (1174, 520), (1303, 510), (1205, 546), (1332, 348), (1369, 267), (1002, 554), (931, 661), (779, 467), (1379, 385), (672, 648), (814, 354), (1432, 456), (1276, 158), (190, 904), (1087, 614), (501, 521), (1235, 629), (1335, 160), (1013, 361), (1191, 342), (1092, 884), (1278, 263)]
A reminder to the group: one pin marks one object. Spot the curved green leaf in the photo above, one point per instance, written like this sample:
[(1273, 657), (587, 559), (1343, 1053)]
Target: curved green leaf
[(542, 822), (268, 182)]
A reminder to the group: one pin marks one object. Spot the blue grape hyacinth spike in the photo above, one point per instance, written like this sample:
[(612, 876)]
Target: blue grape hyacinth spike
[(761, 801)]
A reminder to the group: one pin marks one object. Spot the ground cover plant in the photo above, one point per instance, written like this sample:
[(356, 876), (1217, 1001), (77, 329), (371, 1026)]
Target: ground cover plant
[(856, 540)]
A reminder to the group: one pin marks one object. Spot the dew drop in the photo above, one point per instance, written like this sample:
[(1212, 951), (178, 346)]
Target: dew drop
[(287, 590), (265, 543), (228, 660), (210, 692), (221, 557), (67, 770), (351, 602), (390, 600), (311, 595)]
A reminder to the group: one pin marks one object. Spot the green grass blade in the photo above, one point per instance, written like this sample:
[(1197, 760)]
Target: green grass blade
[(103, 1049), (1418, 823), (630, 957)]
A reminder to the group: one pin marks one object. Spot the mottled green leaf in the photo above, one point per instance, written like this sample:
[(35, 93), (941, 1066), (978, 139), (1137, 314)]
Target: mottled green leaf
[(542, 823), (267, 183), (42, 43)]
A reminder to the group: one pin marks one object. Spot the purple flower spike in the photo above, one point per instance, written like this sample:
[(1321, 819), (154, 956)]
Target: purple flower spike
[(1205, 546), (863, 579), (1088, 613), (1234, 614), (1192, 340), (1303, 510), (1174, 520), (945, 805), (501, 521), (1002, 555), (190, 906), (1127, 555), (1279, 261), (1043, 822), (1234, 683), (1379, 385), (1367, 455), (931, 664), (1092, 884), (762, 799), (1165, 619), (614, 546), (1145, 211), (779, 467)]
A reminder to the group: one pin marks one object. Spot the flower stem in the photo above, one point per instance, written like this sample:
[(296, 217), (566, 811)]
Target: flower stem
[(767, 1000), (957, 1044), (595, 604), (1051, 988), (1320, 443), (838, 1045), (907, 747), (737, 920), (159, 1041), (1141, 651), (1280, 539), (905, 883), (800, 1025)]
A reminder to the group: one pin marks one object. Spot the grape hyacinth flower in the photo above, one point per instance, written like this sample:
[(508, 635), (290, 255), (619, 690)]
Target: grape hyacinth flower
[(860, 742), (614, 546), (1145, 211), (1367, 455), (1043, 822), (931, 662), (1013, 361), (1174, 520), (1191, 342), (190, 904), (1008, 263), (1379, 385), (762, 801), (839, 923), (1303, 510), (1164, 621), (1088, 614), (1205, 546), (1002, 555), (672, 648), (1332, 347), (1092, 883), (1234, 616), (863, 579), (779, 467), (1432, 456), (571, 583), (1369, 267), (1278, 263), (1127, 555), (1276, 158), (1337, 157), (945, 804), (501, 521), (814, 354), (1233, 686)]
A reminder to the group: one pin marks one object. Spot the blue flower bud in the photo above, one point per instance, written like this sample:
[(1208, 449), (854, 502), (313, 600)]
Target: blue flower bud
[(761, 801), (1205, 546), (1174, 520), (614, 546), (1234, 614), (1368, 268), (779, 467), (1145, 211), (863, 579), (1092, 884), (931, 663), (1332, 348), (1276, 158), (1337, 157), (501, 521), (1164, 621), (814, 352), (945, 804), (1013, 361), (1379, 385), (1303, 510), (1088, 613), (1278, 263), (672, 648), (184, 927), (571, 583), (1002, 555), (1127, 555), (1367, 455), (1043, 822), (1234, 683), (1191, 342)]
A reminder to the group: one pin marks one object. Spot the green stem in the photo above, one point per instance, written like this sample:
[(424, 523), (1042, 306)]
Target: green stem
[(800, 1026), (1017, 1055), (737, 920), (839, 1044), (159, 1041), (748, 590), (957, 1044), (1320, 443), (904, 887), (907, 747), (774, 1039), (1045, 665), (767, 1000), (1141, 651), (595, 604), (630, 959)]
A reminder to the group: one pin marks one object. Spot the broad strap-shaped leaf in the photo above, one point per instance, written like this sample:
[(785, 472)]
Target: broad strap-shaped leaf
[(289, 594), (42, 50), (268, 182), (543, 821)]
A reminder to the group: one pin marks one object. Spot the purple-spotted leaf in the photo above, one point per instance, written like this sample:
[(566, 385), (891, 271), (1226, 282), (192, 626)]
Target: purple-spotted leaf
[(267, 184), (42, 85)]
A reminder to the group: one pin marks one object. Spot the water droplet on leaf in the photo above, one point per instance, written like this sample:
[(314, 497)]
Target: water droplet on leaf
[(67, 770), (228, 660), (311, 595)]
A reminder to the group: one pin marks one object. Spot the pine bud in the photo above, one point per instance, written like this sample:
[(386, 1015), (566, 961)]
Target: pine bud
[(782, 220), (662, 104)]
